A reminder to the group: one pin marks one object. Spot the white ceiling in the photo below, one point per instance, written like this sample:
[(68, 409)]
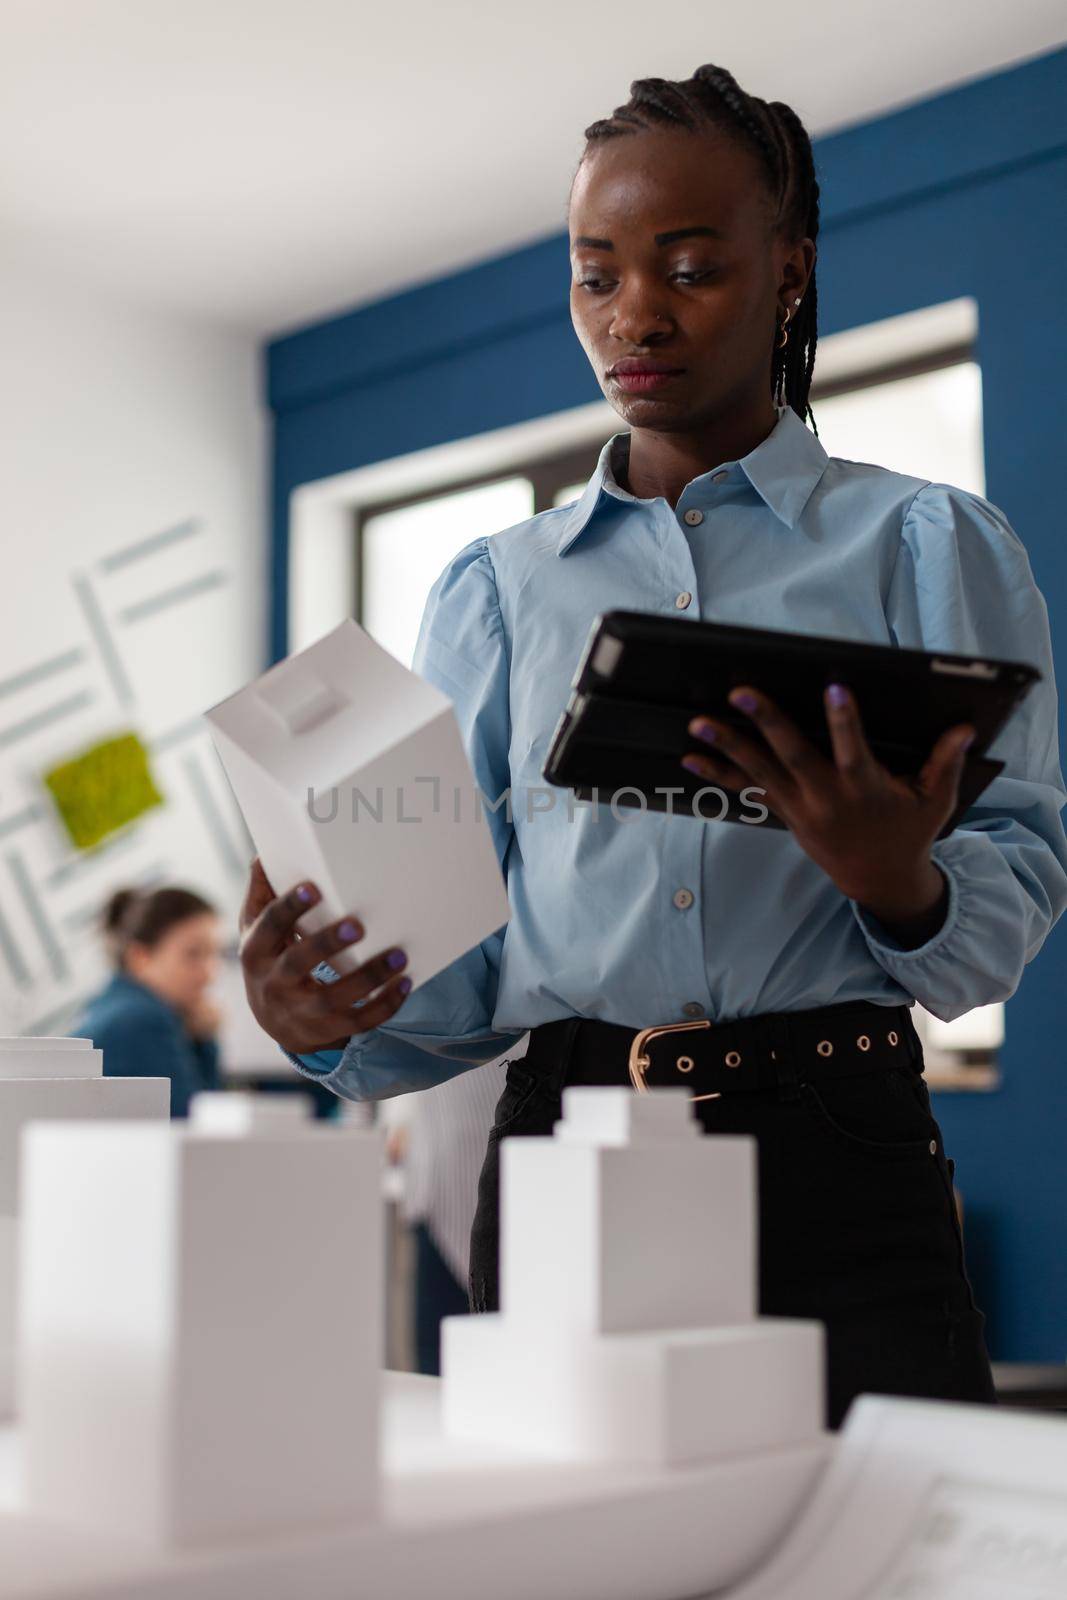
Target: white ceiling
[(267, 162)]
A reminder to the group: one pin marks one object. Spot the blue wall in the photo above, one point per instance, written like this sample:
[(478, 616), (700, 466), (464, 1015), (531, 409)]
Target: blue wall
[(961, 194)]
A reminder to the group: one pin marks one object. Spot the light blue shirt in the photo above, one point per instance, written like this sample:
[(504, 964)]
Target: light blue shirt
[(789, 538)]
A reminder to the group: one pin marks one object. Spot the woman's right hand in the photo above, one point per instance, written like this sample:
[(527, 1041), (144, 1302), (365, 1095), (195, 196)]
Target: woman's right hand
[(301, 1013)]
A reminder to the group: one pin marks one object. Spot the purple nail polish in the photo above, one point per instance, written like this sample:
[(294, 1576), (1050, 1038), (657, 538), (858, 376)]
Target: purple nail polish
[(404, 986), (746, 702), (348, 930), (709, 735), (837, 694), (691, 764), (396, 958), (305, 893)]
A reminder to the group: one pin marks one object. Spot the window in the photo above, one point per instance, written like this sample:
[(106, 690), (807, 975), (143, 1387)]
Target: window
[(402, 553), (928, 424), (403, 546), (922, 415)]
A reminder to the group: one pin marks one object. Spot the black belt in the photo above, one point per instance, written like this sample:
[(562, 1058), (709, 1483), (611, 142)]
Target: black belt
[(772, 1048)]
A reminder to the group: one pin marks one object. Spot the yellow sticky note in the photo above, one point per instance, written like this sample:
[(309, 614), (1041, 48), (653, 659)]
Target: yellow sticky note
[(104, 788)]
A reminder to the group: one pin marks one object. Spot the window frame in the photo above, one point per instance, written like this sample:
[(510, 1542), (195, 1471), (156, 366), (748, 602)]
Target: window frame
[(547, 475)]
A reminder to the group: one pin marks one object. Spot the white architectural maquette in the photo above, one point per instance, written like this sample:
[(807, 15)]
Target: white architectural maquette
[(201, 1327), (350, 771), (199, 1322), (42, 1079), (628, 1328)]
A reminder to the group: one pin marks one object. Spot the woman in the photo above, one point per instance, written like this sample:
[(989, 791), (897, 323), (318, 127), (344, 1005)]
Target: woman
[(795, 955), (154, 1017)]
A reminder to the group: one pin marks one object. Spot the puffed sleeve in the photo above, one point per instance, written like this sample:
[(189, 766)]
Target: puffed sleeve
[(963, 583), (445, 1025)]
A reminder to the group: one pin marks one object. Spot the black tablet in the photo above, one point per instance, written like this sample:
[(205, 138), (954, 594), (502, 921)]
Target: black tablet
[(642, 677)]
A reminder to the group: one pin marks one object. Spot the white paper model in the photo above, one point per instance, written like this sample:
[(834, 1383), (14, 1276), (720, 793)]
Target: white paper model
[(350, 771), (200, 1322), (628, 1327), (42, 1079)]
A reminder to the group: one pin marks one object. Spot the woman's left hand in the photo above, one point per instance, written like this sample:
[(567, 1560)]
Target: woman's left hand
[(869, 830)]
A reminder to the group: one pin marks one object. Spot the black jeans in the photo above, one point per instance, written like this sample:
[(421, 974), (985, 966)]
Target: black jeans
[(857, 1225), (438, 1294)]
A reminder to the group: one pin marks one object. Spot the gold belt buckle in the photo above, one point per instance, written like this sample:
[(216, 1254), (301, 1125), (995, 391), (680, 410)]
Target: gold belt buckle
[(640, 1063)]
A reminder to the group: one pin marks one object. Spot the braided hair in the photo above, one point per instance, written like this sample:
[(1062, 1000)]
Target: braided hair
[(777, 137)]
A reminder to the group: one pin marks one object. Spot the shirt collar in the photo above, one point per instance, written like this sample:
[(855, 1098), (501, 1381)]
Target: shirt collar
[(783, 470)]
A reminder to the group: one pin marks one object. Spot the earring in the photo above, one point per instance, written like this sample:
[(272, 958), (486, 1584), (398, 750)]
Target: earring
[(784, 327)]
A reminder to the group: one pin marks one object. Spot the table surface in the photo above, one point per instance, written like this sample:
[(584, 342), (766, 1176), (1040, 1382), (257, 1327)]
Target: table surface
[(454, 1517)]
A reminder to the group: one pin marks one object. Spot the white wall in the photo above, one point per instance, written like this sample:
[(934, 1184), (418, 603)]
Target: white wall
[(118, 424)]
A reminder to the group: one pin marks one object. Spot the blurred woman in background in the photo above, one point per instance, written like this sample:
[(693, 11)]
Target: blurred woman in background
[(153, 1018)]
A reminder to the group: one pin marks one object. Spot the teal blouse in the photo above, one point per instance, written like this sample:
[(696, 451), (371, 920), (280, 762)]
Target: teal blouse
[(143, 1036)]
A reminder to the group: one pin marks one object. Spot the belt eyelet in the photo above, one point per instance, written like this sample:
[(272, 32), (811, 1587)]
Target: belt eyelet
[(892, 1037), (732, 1059), (684, 1063), (824, 1047), (864, 1042)]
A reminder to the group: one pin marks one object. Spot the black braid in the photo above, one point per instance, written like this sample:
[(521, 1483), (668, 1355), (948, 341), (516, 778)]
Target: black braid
[(775, 134)]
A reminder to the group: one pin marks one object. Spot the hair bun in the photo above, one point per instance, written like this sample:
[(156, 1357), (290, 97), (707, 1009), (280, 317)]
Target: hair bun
[(117, 906)]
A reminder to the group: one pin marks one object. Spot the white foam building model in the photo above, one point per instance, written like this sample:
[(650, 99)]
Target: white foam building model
[(350, 770), (199, 1339), (628, 1328), (199, 1322), (42, 1079)]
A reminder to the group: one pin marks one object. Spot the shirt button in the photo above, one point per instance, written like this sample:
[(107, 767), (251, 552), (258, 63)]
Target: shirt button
[(683, 600), (693, 516), (693, 1008), (683, 899), (717, 477)]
